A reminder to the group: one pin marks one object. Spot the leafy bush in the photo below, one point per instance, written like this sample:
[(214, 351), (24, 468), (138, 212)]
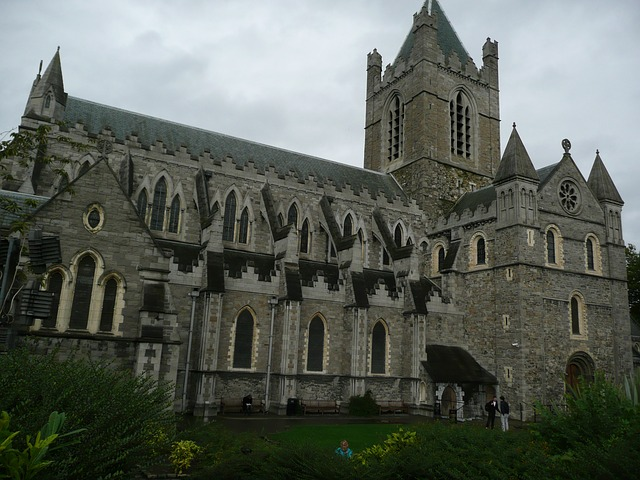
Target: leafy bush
[(28, 463), (363, 406), (596, 435), (182, 454), (121, 413)]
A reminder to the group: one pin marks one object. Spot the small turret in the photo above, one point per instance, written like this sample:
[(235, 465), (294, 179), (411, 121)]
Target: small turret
[(374, 71), (47, 99), (489, 70), (605, 191)]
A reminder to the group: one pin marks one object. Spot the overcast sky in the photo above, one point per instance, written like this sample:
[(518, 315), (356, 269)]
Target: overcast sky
[(291, 73)]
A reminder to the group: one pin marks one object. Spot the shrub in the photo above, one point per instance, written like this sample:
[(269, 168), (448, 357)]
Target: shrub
[(182, 454), (363, 406), (119, 411)]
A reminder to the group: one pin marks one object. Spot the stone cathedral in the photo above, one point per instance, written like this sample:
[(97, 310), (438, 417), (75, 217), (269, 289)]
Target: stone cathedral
[(443, 272)]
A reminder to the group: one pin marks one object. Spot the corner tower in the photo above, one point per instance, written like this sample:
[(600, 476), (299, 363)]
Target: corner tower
[(432, 117)]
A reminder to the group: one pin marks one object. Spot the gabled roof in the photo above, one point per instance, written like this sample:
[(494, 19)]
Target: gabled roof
[(515, 162), (601, 184), (124, 124), (448, 39)]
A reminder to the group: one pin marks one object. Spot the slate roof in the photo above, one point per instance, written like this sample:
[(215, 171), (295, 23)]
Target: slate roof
[(21, 200), (124, 124), (471, 200), (601, 184), (515, 161), (448, 39), (454, 364)]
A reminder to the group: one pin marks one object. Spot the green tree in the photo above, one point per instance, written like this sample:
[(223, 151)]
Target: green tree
[(633, 281)]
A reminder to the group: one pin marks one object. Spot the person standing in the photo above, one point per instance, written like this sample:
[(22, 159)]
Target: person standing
[(504, 413), (491, 407)]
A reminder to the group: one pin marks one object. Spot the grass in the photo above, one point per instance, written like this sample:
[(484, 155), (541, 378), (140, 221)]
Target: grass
[(327, 437)]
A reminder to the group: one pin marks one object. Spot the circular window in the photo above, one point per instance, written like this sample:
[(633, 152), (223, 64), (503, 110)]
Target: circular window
[(569, 196), (93, 218)]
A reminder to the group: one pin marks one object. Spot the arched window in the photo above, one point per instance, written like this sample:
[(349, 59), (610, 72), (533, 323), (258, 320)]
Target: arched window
[(84, 168), (348, 226), (315, 349), (243, 344), (395, 129), (108, 305), (385, 257), (576, 315), (142, 204), (481, 252), (82, 294), (243, 234), (304, 237), (551, 247), (174, 215), (439, 255), (280, 220), (292, 216), (379, 348), (47, 101), (55, 287), (229, 226), (159, 205), (397, 236), (590, 255), (460, 117)]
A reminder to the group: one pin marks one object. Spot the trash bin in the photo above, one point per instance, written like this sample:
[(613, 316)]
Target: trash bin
[(293, 404)]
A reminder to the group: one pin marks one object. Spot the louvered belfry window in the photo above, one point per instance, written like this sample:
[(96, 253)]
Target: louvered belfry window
[(460, 113), (395, 129)]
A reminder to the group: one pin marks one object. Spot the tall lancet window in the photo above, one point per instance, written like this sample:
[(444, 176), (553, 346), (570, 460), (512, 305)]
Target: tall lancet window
[(461, 125), (159, 205), (395, 128)]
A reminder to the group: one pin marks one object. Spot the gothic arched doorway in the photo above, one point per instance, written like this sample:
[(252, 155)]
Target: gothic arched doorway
[(580, 365), (449, 400)]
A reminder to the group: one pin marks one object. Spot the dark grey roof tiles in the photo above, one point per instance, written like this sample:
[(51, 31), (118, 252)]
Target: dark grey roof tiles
[(515, 162), (124, 124), (601, 184)]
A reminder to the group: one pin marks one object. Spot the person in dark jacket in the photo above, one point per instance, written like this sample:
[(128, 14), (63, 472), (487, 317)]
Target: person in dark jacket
[(491, 407), (504, 414)]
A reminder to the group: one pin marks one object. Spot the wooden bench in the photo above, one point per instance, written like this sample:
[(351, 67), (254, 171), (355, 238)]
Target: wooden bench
[(392, 406), (234, 405), (319, 406)]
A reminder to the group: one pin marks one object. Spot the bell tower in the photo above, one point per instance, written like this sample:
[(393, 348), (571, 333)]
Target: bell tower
[(432, 117)]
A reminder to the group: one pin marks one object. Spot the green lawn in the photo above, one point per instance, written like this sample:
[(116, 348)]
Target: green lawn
[(327, 437)]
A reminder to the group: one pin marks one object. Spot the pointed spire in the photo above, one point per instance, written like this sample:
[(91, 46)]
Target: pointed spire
[(601, 184), (52, 77), (48, 98), (515, 161)]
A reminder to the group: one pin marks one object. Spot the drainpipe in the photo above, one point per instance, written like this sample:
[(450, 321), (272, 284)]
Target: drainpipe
[(194, 294), (273, 303)]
